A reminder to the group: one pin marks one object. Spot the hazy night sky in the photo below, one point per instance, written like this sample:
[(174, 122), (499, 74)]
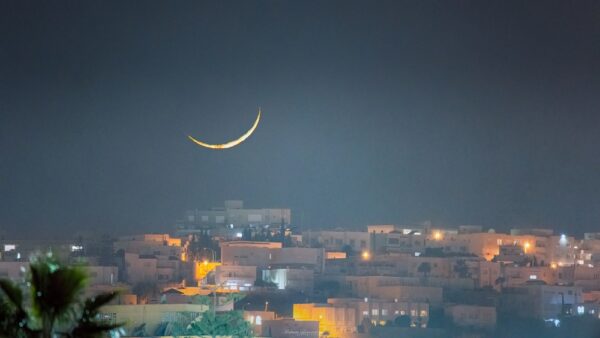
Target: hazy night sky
[(459, 112)]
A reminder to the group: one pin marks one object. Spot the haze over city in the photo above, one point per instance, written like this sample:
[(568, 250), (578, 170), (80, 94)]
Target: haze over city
[(300, 169), (392, 112)]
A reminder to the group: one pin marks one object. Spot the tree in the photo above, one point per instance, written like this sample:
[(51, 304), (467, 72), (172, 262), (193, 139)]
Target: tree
[(347, 248), (500, 281), (230, 323), (424, 268), (402, 321), (461, 268), (145, 291), (55, 307)]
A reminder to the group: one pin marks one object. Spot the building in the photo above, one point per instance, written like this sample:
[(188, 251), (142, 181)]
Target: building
[(235, 277), (342, 316), (540, 301), (266, 255), (291, 279), (290, 328), (472, 316), (231, 219), (154, 319)]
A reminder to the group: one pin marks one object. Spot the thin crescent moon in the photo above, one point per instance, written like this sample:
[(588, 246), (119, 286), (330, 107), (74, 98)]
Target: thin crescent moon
[(229, 144)]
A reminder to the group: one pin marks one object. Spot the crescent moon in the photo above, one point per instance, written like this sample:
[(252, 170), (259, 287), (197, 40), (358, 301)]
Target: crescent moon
[(229, 144)]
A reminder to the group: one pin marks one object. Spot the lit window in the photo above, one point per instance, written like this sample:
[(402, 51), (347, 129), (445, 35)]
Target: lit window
[(258, 320), (375, 312), (384, 312)]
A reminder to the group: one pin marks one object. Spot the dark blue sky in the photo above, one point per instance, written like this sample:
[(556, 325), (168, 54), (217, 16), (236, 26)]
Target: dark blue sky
[(459, 112)]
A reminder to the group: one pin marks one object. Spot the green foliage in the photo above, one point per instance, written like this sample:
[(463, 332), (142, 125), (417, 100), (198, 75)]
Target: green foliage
[(402, 321), (231, 323), (55, 306), (424, 268)]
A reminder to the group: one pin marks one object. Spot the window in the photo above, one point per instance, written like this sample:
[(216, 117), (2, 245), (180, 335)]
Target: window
[(384, 312), (363, 244), (258, 320), (375, 312), (365, 313)]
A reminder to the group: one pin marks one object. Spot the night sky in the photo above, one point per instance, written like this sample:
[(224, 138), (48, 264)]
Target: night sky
[(458, 112)]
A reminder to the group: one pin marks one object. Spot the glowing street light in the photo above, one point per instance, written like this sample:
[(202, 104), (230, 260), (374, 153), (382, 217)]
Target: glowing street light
[(366, 255), (437, 235), (526, 246)]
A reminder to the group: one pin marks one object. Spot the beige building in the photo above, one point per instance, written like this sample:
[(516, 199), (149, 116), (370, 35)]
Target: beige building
[(235, 277), (152, 315), (521, 275), (389, 288), (340, 317), (290, 328), (266, 255)]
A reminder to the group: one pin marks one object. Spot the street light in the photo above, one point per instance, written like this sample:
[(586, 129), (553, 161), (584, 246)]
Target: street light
[(366, 255)]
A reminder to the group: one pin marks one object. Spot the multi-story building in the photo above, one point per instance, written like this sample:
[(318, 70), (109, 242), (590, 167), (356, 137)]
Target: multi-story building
[(230, 220), (540, 301), (473, 316), (153, 319), (342, 316)]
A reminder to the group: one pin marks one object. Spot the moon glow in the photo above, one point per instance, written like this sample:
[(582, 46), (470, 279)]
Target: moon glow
[(229, 144)]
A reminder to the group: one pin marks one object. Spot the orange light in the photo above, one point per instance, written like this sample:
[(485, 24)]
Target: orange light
[(205, 262), (526, 246), (366, 255), (437, 235), (553, 265)]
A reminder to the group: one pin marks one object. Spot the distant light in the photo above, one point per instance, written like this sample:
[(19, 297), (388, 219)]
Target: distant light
[(366, 299), (532, 276), (553, 265), (557, 322), (9, 247), (366, 255), (205, 262), (239, 235), (437, 235), (563, 240), (417, 254), (18, 255), (230, 226), (580, 310), (76, 248), (526, 246)]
